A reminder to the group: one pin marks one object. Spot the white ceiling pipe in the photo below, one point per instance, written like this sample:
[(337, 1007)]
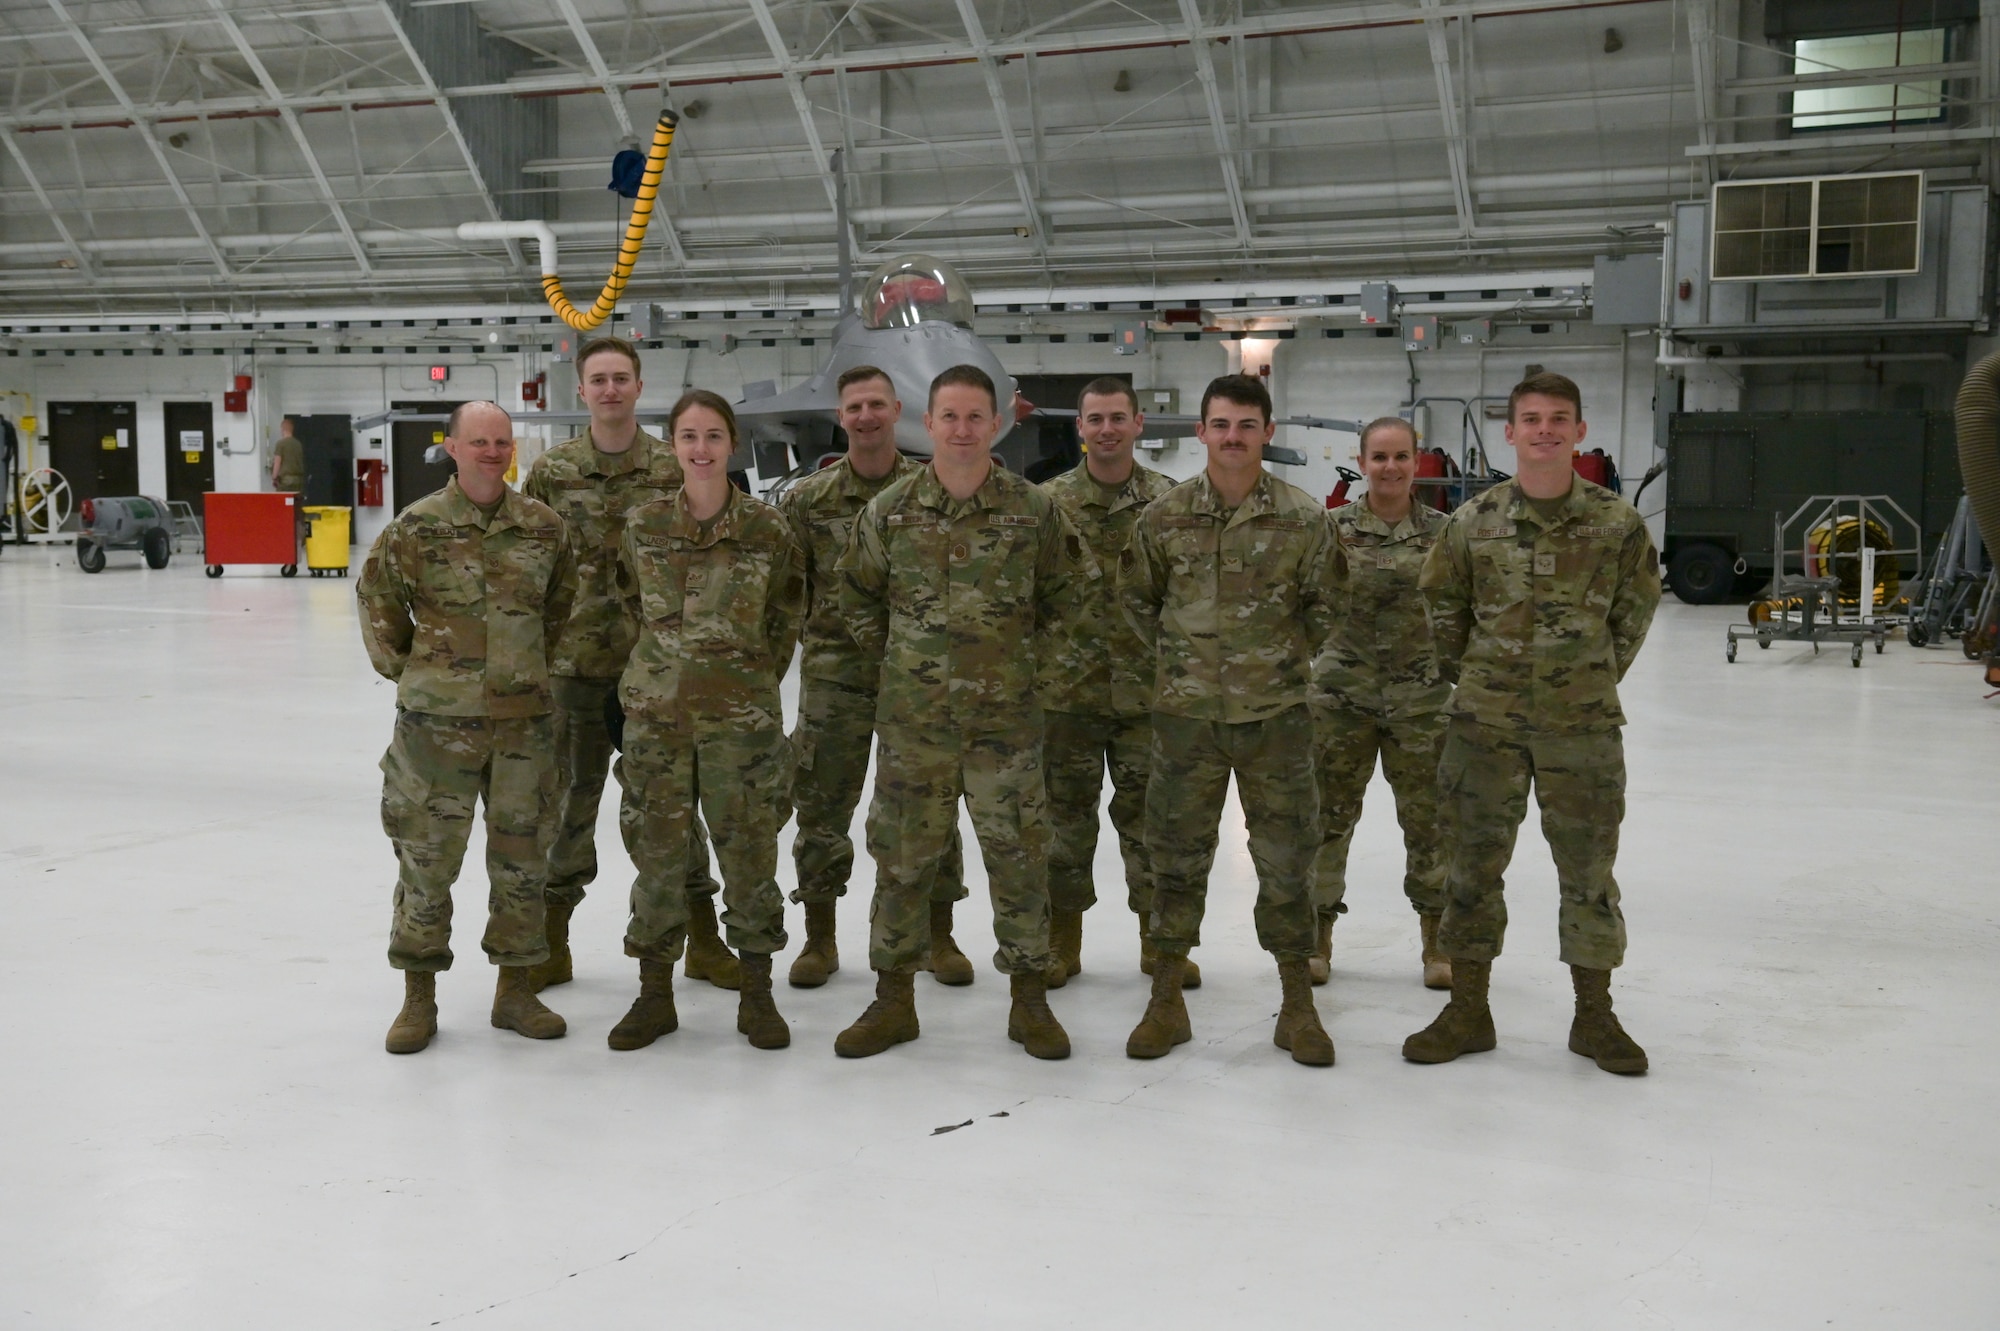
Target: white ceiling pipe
[(541, 233)]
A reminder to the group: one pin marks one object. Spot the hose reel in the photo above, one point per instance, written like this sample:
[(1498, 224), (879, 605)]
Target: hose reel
[(1834, 550), (629, 249)]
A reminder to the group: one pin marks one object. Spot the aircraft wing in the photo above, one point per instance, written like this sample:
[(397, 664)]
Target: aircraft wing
[(1174, 425), (806, 400)]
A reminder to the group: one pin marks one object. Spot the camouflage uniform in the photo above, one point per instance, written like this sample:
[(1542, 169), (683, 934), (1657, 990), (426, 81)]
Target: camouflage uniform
[(958, 598), (837, 683), (595, 491), (460, 610), (1232, 604), (1099, 707), (1537, 620), (715, 611), (1376, 690)]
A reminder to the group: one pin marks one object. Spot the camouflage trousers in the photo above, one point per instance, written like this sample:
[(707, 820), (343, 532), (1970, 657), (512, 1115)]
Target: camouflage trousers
[(1191, 766), (921, 773), (836, 729), (1078, 750), (585, 748), (1347, 742), (741, 780), (1579, 782), (437, 770)]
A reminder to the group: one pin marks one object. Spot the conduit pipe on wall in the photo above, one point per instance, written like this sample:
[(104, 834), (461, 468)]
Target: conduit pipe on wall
[(1829, 358), (901, 215)]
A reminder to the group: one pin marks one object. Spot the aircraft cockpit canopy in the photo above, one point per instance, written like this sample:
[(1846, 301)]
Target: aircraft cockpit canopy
[(907, 291)]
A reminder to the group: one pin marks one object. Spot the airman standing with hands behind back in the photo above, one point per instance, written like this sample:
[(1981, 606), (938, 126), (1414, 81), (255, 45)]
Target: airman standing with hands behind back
[(1099, 691), (838, 683), (1233, 579), (714, 588), (1376, 690), (594, 481), (461, 599), (1541, 591), (958, 579)]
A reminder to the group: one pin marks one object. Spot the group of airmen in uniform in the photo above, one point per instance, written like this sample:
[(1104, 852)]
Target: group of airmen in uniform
[(1007, 645)]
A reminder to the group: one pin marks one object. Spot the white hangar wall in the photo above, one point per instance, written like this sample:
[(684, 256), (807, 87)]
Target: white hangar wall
[(1355, 377)]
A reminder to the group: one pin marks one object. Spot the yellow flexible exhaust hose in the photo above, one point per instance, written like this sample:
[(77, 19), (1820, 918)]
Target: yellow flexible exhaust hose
[(628, 252)]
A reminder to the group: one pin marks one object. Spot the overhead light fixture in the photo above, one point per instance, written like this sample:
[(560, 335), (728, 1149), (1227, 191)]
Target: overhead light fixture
[(1123, 83), (178, 139), (1613, 43), (1021, 231), (694, 109), (65, 262)]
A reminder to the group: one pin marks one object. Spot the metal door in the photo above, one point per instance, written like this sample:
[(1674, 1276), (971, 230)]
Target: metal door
[(190, 450), (410, 476), (329, 451), (94, 445)]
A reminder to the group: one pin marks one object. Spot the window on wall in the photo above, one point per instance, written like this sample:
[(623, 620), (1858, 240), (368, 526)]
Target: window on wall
[(1917, 102)]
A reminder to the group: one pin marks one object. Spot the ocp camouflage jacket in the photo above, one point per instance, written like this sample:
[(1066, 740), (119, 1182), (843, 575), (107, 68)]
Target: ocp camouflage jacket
[(960, 599), (595, 492), (1101, 669), (1537, 623), (714, 616), (1233, 603), (822, 509), (462, 611), (1380, 658)]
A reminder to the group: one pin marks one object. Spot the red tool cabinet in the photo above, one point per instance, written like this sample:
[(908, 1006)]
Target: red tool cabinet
[(253, 528)]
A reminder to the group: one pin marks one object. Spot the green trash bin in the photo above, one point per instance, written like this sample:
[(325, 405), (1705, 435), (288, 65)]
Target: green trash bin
[(328, 540)]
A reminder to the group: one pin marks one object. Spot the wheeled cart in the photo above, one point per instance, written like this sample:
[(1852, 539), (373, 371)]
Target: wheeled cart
[(252, 528), (1850, 550)]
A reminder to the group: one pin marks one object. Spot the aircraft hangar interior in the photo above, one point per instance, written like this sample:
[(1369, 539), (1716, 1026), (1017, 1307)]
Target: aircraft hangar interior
[(256, 254)]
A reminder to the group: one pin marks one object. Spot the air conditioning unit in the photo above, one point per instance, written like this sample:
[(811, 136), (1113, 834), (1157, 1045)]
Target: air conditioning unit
[(1877, 253), (1817, 226)]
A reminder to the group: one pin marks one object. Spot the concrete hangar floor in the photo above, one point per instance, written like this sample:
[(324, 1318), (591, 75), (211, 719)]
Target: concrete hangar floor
[(201, 1129)]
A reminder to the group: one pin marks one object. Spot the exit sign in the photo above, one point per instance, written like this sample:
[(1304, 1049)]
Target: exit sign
[(440, 373)]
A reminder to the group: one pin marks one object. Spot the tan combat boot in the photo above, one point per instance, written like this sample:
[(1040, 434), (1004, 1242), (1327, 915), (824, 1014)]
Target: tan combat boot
[(821, 955), (1030, 1024), (1149, 955), (1298, 1028), (1065, 946), (515, 1007), (1466, 1024), (418, 1021), (652, 1012), (756, 1014), (1437, 966), (1595, 1033), (947, 965), (556, 970), (1166, 1021), (1320, 965), (707, 958), (890, 1020)]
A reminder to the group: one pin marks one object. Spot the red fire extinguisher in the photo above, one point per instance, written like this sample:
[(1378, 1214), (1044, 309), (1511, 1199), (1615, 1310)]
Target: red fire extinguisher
[(368, 482)]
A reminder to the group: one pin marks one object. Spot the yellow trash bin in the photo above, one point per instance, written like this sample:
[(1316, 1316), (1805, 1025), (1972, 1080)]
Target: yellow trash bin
[(328, 541)]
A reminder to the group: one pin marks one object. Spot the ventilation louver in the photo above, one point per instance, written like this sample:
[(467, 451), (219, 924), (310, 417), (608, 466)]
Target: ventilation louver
[(1822, 226)]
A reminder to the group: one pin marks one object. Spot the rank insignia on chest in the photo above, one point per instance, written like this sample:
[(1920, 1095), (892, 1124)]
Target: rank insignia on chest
[(1545, 566), (1383, 559)]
